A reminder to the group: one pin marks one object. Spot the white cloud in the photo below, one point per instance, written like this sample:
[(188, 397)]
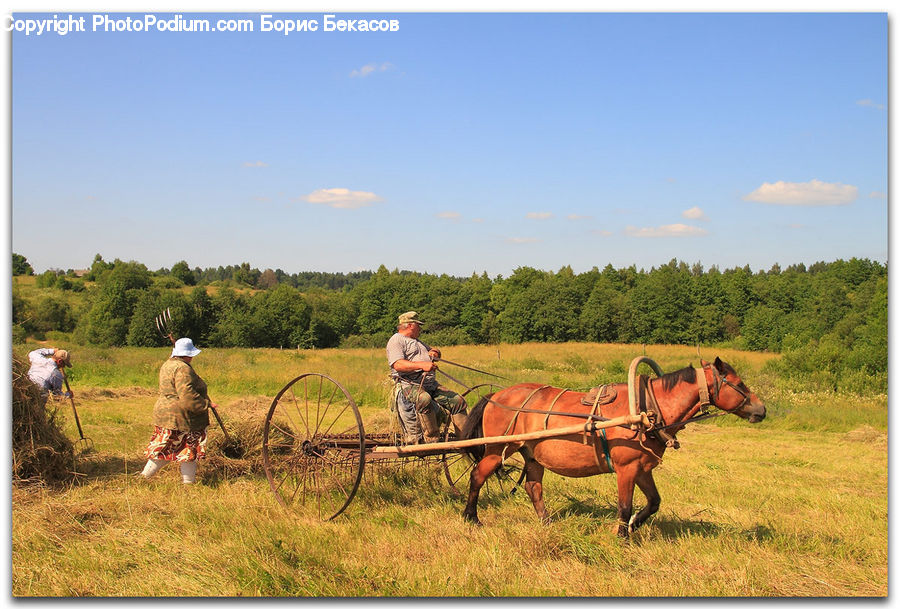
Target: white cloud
[(694, 213), (814, 192), (538, 215), (578, 217), (868, 103), (668, 230), (877, 194), (342, 198), (522, 239), (601, 232), (255, 164), (449, 215), (478, 220), (370, 68)]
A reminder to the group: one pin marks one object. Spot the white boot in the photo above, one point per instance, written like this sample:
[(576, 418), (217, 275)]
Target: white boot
[(153, 466), (188, 472)]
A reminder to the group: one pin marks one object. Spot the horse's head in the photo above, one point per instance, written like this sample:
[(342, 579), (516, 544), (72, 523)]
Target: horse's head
[(729, 393)]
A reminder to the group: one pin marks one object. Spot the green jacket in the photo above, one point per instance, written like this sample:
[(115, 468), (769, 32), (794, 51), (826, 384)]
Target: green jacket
[(182, 403)]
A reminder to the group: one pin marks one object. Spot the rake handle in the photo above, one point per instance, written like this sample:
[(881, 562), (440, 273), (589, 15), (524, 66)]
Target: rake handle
[(221, 424), (74, 410)]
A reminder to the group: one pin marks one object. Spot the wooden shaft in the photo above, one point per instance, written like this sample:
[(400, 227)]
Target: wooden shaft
[(221, 424), (632, 388), (74, 410), (534, 435)]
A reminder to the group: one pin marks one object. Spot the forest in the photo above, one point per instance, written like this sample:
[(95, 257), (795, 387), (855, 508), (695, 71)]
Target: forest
[(829, 320)]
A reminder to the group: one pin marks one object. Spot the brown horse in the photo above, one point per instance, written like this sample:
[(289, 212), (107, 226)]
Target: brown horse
[(631, 454)]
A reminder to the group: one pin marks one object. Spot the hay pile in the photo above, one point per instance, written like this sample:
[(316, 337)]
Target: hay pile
[(244, 419), (41, 452)]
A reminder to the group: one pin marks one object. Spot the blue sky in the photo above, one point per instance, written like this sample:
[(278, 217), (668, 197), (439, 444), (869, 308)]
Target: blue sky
[(461, 143)]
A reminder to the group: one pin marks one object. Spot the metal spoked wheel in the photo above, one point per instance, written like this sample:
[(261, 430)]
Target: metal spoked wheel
[(314, 446), (458, 465)]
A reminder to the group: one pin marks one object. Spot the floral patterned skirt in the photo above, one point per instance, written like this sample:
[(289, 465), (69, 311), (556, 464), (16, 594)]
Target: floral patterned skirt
[(174, 445)]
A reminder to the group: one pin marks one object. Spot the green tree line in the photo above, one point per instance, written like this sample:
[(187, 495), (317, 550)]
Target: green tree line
[(829, 319)]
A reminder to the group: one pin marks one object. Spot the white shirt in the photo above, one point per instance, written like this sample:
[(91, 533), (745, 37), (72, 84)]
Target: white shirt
[(44, 372)]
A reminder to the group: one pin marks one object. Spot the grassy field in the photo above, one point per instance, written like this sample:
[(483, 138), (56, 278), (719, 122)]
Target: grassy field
[(794, 506)]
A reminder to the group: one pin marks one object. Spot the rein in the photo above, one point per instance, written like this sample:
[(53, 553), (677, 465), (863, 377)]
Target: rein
[(446, 361), (706, 400), (577, 415)]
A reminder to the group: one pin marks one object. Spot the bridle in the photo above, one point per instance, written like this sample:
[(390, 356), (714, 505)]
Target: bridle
[(720, 380), (707, 400)]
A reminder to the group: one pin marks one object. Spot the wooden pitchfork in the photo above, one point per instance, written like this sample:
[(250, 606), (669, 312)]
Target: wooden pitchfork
[(86, 444), (164, 326)]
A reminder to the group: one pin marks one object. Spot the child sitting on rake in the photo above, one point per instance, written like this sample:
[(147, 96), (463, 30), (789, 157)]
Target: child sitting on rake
[(180, 415)]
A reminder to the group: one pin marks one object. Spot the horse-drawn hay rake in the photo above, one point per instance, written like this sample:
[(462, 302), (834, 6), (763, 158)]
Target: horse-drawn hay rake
[(316, 450), (315, 447)]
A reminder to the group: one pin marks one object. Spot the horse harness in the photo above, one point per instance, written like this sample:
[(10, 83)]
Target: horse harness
[(647, 403), (603, 395)]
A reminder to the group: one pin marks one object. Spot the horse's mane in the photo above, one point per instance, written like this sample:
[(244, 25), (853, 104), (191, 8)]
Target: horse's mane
[(687, 375)]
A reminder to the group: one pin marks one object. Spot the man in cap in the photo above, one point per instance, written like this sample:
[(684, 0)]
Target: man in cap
[(413, 369), (46, 370)]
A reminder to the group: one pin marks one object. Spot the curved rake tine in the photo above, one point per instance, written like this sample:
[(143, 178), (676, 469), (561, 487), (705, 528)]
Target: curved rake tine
[(167, 322), (164, 324)]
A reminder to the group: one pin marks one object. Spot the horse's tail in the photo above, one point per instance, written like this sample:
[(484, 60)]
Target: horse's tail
[(473, 429)]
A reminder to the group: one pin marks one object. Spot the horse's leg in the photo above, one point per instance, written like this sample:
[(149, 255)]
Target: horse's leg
[(625, 482), (534, 475), (485, 468), (648, 487)]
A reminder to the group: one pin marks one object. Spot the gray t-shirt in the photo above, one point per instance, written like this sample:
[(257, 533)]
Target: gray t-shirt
[(413, 350)]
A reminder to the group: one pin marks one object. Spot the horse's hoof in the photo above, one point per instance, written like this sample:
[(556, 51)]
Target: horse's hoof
[(472, 519)]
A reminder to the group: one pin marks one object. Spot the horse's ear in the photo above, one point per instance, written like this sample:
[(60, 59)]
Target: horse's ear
[(718, 364), (703, 362)]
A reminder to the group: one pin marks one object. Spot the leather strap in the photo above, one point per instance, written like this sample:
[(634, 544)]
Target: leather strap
[(701, 384), (550, 410), (512, 423)]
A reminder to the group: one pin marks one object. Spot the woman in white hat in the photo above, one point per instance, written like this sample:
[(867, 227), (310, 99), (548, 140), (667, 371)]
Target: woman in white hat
[(180, 416)]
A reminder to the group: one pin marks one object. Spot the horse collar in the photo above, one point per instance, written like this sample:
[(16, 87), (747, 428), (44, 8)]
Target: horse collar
[(651, 407), (704, 389)]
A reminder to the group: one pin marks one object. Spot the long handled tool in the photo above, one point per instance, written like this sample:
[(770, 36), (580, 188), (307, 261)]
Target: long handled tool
[(86, 444), (164, 325)]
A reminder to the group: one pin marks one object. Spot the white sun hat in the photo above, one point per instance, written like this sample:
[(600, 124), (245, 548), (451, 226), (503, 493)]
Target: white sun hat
[(184, 347)]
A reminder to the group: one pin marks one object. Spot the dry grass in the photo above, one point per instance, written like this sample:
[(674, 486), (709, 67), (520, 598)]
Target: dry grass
[(767, 510)]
